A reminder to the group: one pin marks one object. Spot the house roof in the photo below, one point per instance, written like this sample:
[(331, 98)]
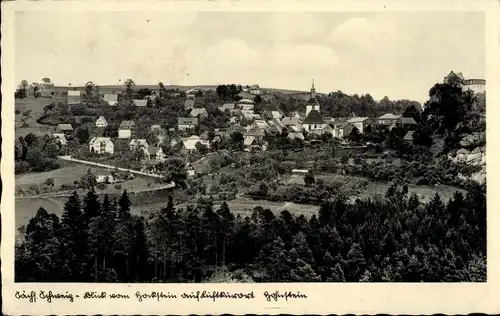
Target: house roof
[(73, 93), (226, 106), (312, 101), (409, 136), (140, 102), (198, 111), (357, 119), (65, 127), (260, 124), (288, 120), (313, 118), (407, 121), (254, 86), (126, 125), (190, 142), (296, 135), (389, 116), (276, 114), (101, 118), (248, 140), (95, 140), (155, 127), (187, 121), (111, 97), (254, 132), (245, 101), (138, 142)]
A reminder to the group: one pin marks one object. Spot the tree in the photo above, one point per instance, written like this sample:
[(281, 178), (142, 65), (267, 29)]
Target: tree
[(50, 182), (422, 136), (354, 136), (129, 87), (88, 180), (309, 178), (124, 205), (89, 91), (257, 100), (83, 134), (202, 149)]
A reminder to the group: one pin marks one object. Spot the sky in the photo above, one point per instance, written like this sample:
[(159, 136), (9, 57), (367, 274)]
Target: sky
[(394, 54)]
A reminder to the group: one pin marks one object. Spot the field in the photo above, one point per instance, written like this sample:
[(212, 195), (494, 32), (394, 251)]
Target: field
[(36, 106), (369, 188)]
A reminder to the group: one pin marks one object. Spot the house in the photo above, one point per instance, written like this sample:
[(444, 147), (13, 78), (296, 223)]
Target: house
[(246, 104), (190, 170), (189, 144), (189, 103), (388, 119), (327, 129), (249, 115), (260, 124), (226, 106), (255, 89), (125, 129), (101, 145), (360, 123), (406, 122), (140, 103), (186, 123), (300, 172), (138, 143), (289, 121), (101, 122), (296, 135), (275, 115), (65, 129), (409, 137), (199, 113), (61, 139), (111, 99), (313, 121), (156, 153), (105, 178), (193, 91), (74, 97), (249, 143), (342, 129), (275, 127)]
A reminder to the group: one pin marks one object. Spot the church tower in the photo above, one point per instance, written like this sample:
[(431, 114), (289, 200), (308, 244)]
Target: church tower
[(313, 91)]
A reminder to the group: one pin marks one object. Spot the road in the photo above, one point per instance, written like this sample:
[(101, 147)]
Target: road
[(142, 173)]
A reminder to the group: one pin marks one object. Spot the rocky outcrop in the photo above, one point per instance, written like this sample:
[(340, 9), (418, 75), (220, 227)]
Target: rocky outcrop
[(474, 155)]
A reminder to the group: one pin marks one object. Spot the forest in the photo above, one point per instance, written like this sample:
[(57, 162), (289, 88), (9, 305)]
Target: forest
[(391, 238)]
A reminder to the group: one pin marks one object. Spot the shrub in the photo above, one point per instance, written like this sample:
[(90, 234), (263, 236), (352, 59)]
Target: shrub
[(118, 186), (17, 112), (102, 186), (68, 187)]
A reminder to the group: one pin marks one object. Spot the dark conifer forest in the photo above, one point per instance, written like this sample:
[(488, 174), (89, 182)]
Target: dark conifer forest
[(394, 238)]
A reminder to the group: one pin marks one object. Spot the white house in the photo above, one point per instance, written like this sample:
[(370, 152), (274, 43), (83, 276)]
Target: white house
[(388, 119), (255, 89), (105, 178), (186, 123), (360, 123), (199, 112), (61, 139), (101, 145), (101, 122), (156, 153), (74, 97), (125, 129), (190, 170), (111, 99), (246, 104), (189, 144)]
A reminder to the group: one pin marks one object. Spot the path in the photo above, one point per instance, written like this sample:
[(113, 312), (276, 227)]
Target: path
[(142, 173)]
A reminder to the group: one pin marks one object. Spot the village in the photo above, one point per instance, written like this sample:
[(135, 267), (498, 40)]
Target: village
[(232, 143)]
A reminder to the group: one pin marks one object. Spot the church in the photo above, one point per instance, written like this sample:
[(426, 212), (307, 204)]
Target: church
[(313, 120)]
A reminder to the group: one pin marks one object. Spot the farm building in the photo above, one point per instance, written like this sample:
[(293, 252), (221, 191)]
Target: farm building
[(74, 97), (111, 99), (101, 122), (101, 145), (125, 129)]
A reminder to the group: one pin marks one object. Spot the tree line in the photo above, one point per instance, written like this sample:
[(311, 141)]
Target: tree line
[(394, 238)]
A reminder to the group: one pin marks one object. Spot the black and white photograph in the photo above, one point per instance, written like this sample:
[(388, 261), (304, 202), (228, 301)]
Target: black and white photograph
[(259, 146)]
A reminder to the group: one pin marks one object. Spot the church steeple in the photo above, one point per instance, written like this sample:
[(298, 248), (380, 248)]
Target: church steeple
[(313, 90)]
